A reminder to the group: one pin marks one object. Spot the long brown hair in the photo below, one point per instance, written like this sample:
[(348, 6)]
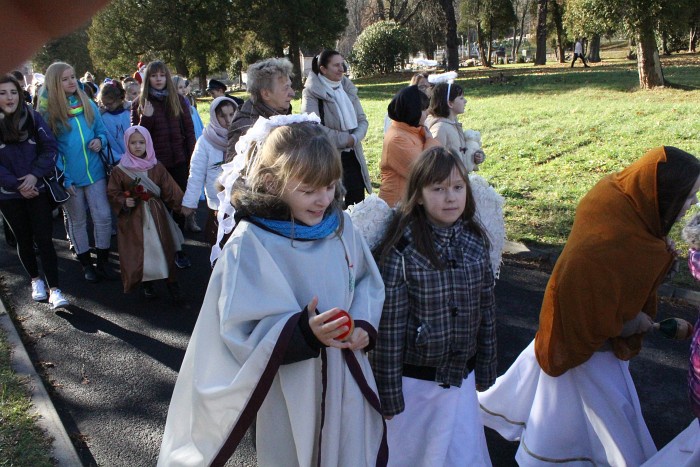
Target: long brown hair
[(10, 131), (172, 102), (433, 166), (57, 113)]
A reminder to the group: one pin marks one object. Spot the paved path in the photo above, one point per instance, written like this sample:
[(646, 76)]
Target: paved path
[(112, 359)]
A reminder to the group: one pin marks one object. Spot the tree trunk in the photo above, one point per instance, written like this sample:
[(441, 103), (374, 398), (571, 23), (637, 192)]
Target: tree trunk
[(594, 49), (516, 48), (451, 39), (648, 62), (541, 54), (295, 58), (202, 78), (692, 39), (485, 59), (556, 17), (664, 43)]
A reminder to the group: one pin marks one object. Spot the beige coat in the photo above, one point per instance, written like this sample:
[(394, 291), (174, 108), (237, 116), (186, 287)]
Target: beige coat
[(315, 90), (451, 135)]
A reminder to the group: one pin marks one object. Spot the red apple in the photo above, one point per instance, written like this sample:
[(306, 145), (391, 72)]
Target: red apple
[(350, 324)]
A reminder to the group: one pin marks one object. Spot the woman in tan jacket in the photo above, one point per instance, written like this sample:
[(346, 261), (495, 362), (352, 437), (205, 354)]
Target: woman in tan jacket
[(331, 95), (404, 141), (446, 104)]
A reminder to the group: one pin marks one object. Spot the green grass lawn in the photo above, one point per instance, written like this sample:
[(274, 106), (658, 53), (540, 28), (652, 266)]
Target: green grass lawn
[(551, 132), (22, 443)]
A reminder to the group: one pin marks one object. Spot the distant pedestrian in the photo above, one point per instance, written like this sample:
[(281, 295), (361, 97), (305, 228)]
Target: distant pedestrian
[(578, 53), (139, 190), (570, 395), (436, 343), (81, 134), (28, 153)]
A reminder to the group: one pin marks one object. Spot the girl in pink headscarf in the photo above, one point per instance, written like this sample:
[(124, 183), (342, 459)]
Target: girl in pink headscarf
[(139, 190)]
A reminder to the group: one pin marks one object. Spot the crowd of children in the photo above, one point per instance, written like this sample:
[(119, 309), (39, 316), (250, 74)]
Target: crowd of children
[(336, 353)]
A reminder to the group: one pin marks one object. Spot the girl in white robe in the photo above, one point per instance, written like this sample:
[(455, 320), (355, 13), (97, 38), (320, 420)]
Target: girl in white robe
[(260, 349)]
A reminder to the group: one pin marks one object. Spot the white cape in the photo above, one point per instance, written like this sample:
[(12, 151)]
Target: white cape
[(588, 416), (682, 451), (232, 368)]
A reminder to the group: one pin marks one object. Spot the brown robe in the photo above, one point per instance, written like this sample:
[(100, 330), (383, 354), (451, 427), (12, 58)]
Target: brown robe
[(130, 223), (614, 260)]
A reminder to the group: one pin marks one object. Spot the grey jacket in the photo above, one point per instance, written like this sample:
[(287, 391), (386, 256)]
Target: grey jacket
[(315, 90)]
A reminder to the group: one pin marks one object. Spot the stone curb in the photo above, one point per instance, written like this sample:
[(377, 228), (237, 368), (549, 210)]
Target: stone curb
[(62, 448), (665, 290)]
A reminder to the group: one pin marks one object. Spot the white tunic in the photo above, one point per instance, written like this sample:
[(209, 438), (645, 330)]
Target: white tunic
[(257, 289), (589, 416), (682, 451)]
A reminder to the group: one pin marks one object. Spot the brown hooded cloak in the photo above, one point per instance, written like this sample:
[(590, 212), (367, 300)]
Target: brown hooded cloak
[(614, 260)]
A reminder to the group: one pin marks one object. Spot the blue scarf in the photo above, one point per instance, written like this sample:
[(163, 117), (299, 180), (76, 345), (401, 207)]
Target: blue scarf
[(297, 231)]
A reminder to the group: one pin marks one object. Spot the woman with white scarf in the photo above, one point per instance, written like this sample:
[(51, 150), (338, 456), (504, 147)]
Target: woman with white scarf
[(205, 166), (331, 95)]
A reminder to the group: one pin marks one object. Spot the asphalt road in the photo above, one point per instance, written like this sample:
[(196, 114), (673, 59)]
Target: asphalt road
[(110, 360)]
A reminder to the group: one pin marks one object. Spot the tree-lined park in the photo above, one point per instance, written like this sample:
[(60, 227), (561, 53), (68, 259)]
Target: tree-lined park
[(549, 131)]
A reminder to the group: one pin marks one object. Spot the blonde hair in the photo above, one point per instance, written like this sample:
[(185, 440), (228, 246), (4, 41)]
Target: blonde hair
[(172, 102), (57, 111), (300, 151)]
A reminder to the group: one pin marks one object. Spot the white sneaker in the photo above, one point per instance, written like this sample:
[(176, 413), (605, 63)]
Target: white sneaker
[(38, 290), (56, 299)]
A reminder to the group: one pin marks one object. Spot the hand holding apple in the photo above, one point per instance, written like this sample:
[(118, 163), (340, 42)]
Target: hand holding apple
[(329, 325)]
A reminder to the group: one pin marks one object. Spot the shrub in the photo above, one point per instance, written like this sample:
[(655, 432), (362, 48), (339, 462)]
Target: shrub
[(380, 49)]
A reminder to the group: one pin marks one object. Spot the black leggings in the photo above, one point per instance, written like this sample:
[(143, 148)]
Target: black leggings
[(31, 222), (353, 181)]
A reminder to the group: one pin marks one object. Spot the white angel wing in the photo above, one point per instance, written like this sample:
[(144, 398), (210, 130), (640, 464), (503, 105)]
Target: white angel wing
[(489, 210), (371, 218)]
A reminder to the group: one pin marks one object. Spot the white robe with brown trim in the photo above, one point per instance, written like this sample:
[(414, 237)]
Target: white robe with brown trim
[(232, 368)]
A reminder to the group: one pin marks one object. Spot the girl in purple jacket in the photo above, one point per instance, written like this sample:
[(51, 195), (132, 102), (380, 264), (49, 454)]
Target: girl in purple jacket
[(165, 114), (28, 153)]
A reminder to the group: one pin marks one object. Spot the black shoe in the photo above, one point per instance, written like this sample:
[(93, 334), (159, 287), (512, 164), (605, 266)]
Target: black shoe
[(90, 274), (182, 261), (149, 291), (174, 291), (88, 269), (103, 268)]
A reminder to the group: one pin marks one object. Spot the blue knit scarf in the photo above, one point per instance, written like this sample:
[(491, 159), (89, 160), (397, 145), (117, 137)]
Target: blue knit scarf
[(297, 231)]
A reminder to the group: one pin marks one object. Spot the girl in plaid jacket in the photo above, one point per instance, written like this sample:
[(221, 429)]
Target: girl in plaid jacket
[(437, 336)]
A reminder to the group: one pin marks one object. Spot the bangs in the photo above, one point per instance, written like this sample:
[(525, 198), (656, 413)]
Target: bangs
[(157, 67), (441, 163), (317, 165)]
